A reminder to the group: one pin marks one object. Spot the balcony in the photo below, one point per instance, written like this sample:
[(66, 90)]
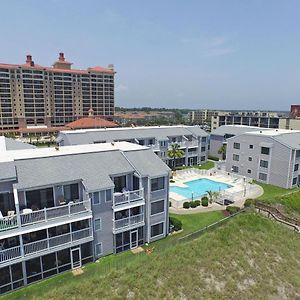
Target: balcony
[(46, 214), (129, 197), (47, 245), (128, 223)]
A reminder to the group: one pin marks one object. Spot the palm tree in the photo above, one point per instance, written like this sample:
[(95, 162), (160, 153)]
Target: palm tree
[(212, 196), (175, 152), (222, 151)]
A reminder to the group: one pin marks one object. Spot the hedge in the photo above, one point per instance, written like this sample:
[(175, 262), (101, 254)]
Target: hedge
[(176, 223)]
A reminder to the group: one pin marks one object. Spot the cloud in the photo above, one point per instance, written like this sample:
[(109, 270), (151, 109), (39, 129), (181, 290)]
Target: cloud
[(121, 88), (208, 46)]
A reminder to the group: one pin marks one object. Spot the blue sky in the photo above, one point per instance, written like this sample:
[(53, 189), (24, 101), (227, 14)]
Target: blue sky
[(233, 54)]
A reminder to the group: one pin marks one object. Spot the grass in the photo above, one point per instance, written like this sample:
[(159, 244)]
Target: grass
[(206, 166), (248, 257), (288, 199)]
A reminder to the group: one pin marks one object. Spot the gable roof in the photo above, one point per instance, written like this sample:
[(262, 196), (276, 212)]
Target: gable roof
[(90, 122)]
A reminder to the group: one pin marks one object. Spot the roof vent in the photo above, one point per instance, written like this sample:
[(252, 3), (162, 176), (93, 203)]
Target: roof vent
[(112, 143), (57, 147), (260, 131)]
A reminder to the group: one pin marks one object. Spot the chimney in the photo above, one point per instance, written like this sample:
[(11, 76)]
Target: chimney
[(29, 60), (91, 112), (61, 56), (110, 67)]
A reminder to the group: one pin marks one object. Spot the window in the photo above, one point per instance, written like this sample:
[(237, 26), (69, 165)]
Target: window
[(202, 158), (108, 196), (97, 224), (236, 145), (157, 207), (157, 229), (157, 184), (265, 150), (262, 176), (296, 167), (249, 171), (249, 158), (298, 154), (294, 180), (235, 157), (71, 192), (98, 249), (96, 198), (203, 149), (264, 163), (250, 146), (235, 169)]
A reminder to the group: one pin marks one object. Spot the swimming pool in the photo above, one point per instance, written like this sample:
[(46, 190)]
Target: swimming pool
[(199, 187)]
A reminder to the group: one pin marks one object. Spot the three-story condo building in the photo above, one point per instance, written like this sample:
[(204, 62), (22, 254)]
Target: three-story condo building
[(191, 139), (63, 207), (269, 156)]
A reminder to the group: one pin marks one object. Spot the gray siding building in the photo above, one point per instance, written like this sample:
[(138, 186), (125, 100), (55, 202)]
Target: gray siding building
[(191, 139), (63, 207), (219, 136), (271, 156)]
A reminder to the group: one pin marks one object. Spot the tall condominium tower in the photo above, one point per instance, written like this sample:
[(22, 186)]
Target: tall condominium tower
[(33, 95)]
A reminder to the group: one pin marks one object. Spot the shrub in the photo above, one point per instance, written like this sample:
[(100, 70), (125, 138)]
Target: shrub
[(186, 205), (193, 204), (249, 202), (232, 209), (198, 202), (204, 201), (213, 158), (176, 223)]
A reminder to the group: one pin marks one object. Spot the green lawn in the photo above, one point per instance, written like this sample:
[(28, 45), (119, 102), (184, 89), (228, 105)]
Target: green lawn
[(289, 199), (249, 257), (206, 166)]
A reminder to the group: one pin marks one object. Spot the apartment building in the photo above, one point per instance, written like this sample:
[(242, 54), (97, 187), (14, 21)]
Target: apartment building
[(202, 117), (191, 139), (247, 118), (61, 208), (219, 136), (33, 95), (269, 156)]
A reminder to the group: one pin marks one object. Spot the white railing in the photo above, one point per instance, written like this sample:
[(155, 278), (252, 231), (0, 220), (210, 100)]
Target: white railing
[(127, 222), (193, 143), (8, 223), (9, 254), (155, 146), (128, 197), (48, 244), (47, 214)]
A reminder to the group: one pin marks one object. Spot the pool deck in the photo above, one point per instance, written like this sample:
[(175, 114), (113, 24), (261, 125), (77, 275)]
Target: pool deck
[(238, 187)]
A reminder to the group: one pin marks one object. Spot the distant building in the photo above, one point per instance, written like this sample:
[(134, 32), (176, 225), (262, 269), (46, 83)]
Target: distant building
[(253, 118), (191, 139), (269, 156), (201, 117), (295, 111), (61, 208), (34, 95)]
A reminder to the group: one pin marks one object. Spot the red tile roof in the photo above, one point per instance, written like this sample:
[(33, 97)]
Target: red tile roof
[(90, 122)]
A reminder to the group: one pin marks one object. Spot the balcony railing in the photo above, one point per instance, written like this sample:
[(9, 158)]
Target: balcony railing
[(45, 244), (128, 222), (47, 214), (128, 197), (8, 223)]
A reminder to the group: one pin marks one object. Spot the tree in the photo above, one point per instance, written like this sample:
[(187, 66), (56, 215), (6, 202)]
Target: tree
[(222, 151), (175, 152), (212, 196)]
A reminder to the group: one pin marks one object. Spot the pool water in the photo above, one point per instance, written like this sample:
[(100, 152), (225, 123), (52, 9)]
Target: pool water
[(199, 187)]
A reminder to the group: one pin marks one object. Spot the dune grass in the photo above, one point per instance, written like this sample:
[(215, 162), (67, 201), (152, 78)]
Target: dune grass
[(249, 257), (289, 199)]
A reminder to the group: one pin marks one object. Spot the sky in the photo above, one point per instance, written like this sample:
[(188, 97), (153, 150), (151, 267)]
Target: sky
[(215, 54)]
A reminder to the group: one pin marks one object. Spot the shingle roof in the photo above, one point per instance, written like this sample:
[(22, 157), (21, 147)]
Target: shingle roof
[(11, 144), (291, 139), (7, 171), (128, 133), (147, 163), (235, 129), (93, 168)]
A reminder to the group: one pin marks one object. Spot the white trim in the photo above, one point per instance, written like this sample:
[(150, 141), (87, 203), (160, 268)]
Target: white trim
[(101, 249), (158, 212), (160, 222), (99, 229)]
